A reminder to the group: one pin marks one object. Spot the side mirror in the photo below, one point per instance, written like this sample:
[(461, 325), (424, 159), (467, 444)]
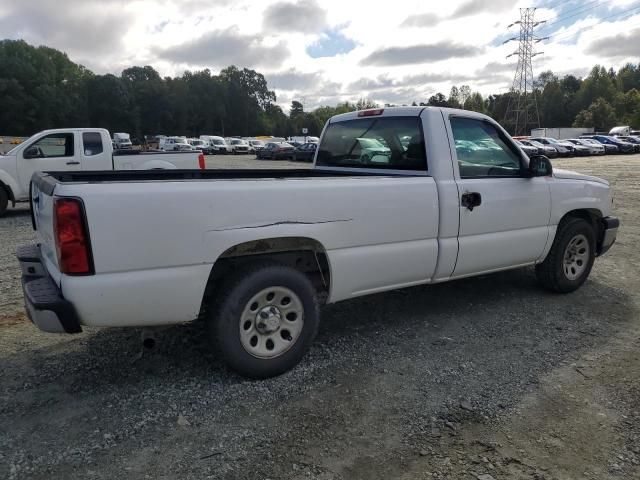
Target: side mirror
[(31, 152), (539, 166)]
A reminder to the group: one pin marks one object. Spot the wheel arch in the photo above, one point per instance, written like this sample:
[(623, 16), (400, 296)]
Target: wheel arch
[(592, 215), (10, 194), (305, 254)]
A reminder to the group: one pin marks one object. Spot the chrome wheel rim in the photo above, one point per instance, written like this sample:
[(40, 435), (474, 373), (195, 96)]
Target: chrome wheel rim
[(271, 322), (576, 257)]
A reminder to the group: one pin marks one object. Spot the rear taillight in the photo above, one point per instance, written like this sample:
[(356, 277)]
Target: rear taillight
[(201, 161), (72, 239)]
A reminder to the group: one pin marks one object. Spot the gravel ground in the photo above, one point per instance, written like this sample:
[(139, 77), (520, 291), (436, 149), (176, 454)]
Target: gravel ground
[(482, 378)]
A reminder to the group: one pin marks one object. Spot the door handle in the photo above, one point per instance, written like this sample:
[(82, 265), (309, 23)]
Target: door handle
[(471, 200), (73, 163)]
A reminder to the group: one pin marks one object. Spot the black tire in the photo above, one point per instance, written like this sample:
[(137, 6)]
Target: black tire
[(4, 200), (551, 273), (234, 297)]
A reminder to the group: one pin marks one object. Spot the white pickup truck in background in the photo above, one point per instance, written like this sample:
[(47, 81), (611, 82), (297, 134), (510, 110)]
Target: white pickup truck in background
[(450, 196), (77, 149)]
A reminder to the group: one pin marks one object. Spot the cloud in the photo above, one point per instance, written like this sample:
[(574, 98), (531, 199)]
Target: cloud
[(304, 16), (368, 84), (419, 54), (84, 28), (293, 80), (421, 20), (226, 47), (474, 7), (618, 46)]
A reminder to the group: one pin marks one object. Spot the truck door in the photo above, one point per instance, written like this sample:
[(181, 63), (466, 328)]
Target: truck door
[(54, 152), (94, 155), (504, 215)]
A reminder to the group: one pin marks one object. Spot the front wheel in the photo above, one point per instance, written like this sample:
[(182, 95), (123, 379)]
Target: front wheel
[(571, 257), (265, 319)]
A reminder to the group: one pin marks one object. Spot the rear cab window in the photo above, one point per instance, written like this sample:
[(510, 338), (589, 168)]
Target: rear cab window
[(390, 143), (92, 142)]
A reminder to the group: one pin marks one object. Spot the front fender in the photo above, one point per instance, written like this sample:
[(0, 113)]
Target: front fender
[(570, 195)]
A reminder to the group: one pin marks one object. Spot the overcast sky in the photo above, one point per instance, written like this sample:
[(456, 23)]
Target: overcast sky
[(325, 51)]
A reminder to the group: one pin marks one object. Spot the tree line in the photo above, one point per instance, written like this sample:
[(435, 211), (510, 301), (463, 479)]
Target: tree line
[(41, 88)]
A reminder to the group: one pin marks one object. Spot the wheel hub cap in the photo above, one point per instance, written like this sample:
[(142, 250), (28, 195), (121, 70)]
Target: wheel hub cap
[(271, 322), (576, 257), (268, 319)]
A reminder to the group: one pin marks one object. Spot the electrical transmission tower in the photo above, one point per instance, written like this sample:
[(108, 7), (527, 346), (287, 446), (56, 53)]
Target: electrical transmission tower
[(522, 109)]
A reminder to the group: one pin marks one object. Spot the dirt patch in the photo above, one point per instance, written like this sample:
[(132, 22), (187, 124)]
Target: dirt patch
[(16, 319)]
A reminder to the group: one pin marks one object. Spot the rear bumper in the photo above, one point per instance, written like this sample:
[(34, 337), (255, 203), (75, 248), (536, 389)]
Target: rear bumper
[(608, 234), (43, 300)]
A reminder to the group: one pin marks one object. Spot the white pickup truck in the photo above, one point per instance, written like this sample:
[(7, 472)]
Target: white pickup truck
[(77, 149), (255, 252)]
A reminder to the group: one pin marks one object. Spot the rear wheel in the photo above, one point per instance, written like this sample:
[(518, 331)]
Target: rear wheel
[(571, 257), (4, 200), (265, 319)]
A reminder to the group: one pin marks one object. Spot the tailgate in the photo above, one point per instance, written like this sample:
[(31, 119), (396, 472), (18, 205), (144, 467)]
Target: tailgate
[(42, 191)]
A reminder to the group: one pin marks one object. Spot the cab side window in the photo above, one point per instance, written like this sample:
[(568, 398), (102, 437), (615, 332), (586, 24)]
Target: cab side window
[(482, 150), (52, 146)]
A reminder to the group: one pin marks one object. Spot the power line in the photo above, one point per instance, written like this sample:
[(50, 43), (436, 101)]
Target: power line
[(582, 9), (568, 35)]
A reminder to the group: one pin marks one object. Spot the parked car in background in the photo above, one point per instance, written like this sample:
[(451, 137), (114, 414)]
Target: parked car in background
[(546, 150), (528, 149), (218, 145), (295, 144), (578, 149), (623, 147), (174, 144), (152, 142), (563, 150), (305, 152), (593, 148), (631, 139), (609, 149), (276, 151), (302, 139), (122, 141), (256, 145), (201, 145), (239, 146), (78, 149)]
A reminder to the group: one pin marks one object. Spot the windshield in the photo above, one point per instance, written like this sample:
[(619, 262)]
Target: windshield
[(218, 142), (238, 142), (255, 142), (361, 144)]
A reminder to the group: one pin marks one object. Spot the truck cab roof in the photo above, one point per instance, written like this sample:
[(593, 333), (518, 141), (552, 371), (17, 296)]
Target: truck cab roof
[(410, 111)]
